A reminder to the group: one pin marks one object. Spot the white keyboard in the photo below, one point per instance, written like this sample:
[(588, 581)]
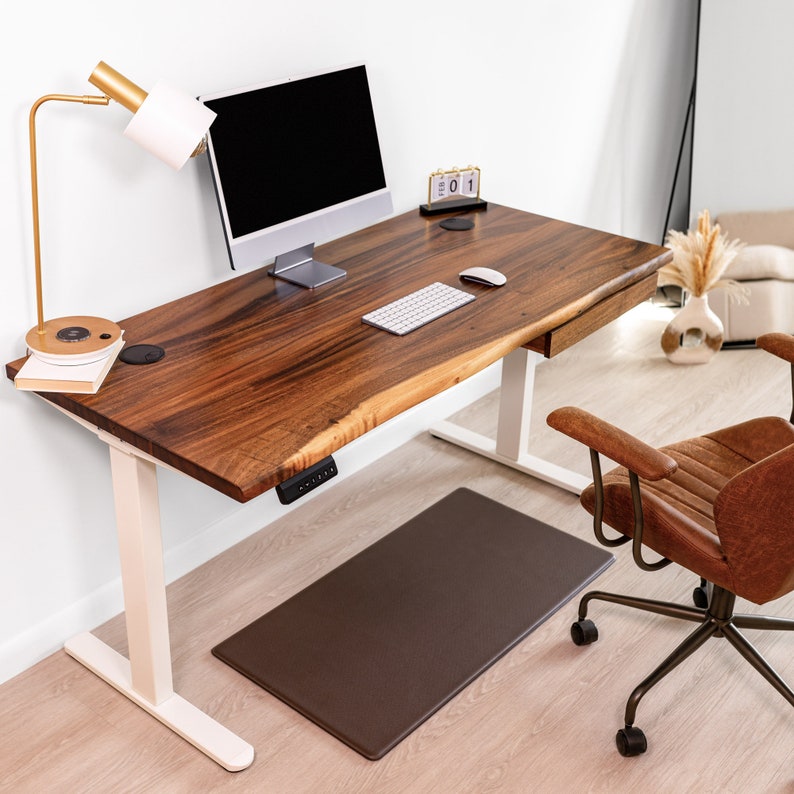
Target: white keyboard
[(418, 308)]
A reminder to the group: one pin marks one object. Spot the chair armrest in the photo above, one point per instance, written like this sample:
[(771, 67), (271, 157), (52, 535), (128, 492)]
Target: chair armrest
[(779, 344), (614, 443)]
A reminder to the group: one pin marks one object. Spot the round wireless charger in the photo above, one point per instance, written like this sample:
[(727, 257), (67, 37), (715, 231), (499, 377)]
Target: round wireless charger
[(457, 224), (141, 354)]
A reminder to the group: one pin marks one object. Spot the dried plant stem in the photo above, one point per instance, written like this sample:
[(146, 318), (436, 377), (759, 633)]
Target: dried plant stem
[(700, 257)]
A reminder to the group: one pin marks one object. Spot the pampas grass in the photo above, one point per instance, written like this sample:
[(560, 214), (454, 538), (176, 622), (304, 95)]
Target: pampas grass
[(700, 257)]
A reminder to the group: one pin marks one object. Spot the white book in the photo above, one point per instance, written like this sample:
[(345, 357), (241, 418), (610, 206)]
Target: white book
[(38, 375)]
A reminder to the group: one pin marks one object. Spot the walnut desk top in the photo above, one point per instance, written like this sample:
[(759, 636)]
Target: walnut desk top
[(261, 378)]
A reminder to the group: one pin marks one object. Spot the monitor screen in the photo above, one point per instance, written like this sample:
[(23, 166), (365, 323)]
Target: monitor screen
[(295, 162)]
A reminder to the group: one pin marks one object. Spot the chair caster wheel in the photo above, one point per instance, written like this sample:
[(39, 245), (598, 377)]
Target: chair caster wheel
[(631, 741), (700, 597), (584, 632)]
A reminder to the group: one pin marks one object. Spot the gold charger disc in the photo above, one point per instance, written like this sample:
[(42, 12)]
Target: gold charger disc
[(72, 339)]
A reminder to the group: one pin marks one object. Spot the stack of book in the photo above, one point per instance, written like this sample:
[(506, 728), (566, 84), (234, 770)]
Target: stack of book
[(38, 375)]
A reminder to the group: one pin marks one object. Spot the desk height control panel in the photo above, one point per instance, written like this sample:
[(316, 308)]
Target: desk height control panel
[(305, 481)]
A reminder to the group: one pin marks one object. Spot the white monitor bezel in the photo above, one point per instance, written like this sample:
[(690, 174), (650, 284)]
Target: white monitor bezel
[(260, 248)]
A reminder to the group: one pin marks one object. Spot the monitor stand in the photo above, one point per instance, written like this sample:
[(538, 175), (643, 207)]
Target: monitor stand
[(299, 267)]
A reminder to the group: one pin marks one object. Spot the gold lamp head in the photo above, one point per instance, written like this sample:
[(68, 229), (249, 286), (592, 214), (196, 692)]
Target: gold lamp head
[(166, 122), (117, 87)]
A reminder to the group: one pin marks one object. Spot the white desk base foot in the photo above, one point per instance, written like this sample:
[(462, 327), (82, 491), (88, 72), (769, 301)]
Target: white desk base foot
[(526, 463), (192, 724)]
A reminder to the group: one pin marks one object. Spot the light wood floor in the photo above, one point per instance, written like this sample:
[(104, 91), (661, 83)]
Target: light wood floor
[(542, 719)]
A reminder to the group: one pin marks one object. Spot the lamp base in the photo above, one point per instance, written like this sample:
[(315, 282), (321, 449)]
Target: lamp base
[(73, 340)]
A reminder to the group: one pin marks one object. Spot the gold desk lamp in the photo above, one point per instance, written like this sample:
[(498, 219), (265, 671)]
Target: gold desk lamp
[(166, 122)]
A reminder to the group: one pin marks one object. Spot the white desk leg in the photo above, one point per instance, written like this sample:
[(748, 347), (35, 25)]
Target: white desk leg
[(146, 677), (512, 435)]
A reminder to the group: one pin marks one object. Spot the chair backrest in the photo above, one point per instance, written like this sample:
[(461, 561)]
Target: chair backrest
[(754, 516)]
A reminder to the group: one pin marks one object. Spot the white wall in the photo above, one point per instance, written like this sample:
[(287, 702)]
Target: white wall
[(572, 110), (743, 158)]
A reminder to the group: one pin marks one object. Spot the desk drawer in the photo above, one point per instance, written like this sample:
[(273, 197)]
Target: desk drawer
[(562, 337)]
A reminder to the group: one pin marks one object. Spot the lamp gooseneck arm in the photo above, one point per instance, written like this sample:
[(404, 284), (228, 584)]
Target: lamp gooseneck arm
[(86, 100)]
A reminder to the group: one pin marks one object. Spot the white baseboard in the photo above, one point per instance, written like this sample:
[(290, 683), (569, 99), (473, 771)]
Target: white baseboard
[(48, 636)]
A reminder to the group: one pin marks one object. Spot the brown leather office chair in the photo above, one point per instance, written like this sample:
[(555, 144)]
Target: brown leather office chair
[(720, 505)]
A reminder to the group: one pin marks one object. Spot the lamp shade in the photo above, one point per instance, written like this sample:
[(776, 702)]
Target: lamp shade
[(169, 124)]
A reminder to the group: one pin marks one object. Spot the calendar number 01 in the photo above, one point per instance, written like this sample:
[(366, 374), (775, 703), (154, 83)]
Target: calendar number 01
[(454, 183)]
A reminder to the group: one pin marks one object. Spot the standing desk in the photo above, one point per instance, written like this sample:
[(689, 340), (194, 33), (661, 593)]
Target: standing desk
[(261, 379)]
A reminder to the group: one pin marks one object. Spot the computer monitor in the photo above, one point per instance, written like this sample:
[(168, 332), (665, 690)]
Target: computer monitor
[(296, 162)]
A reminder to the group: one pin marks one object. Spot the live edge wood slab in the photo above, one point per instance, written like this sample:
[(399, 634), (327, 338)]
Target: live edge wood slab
[(261, 378)]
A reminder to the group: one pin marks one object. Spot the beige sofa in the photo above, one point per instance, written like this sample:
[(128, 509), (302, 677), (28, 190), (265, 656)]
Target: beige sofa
[(766, 267)]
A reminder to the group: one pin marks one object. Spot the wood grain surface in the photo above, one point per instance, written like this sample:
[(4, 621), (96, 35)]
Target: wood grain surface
[(261, 378)]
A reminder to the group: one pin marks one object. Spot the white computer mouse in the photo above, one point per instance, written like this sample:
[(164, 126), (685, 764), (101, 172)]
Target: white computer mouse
[(483, 275)]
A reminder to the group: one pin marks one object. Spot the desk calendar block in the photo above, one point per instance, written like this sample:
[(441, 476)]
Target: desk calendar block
[(452, 190)]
